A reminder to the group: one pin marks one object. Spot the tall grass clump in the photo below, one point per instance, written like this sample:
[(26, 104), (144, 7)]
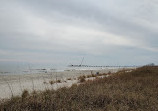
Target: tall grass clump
[(25, 94)]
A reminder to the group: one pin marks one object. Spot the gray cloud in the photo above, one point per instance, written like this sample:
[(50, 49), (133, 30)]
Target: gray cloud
[(53, 31)]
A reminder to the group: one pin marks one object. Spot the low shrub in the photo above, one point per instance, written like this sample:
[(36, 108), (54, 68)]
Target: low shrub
[(51, 82), (82, 79), (68, 78), (58, 81)]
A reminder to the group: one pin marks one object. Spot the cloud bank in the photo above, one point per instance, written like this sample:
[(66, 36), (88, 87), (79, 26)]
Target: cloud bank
[(105, 32)]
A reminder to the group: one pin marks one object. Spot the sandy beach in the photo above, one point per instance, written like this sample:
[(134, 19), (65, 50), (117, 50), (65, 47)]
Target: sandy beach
[(15, 84)]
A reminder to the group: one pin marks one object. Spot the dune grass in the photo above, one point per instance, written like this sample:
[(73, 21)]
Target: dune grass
[(123, 91)]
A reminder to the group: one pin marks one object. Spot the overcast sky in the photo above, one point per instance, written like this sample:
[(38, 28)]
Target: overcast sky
[(60, 32)]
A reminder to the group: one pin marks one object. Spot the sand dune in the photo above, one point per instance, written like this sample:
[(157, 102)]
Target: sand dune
[(15, 84)]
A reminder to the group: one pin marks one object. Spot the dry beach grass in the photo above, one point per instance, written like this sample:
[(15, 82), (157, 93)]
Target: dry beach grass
[(123, 91)]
